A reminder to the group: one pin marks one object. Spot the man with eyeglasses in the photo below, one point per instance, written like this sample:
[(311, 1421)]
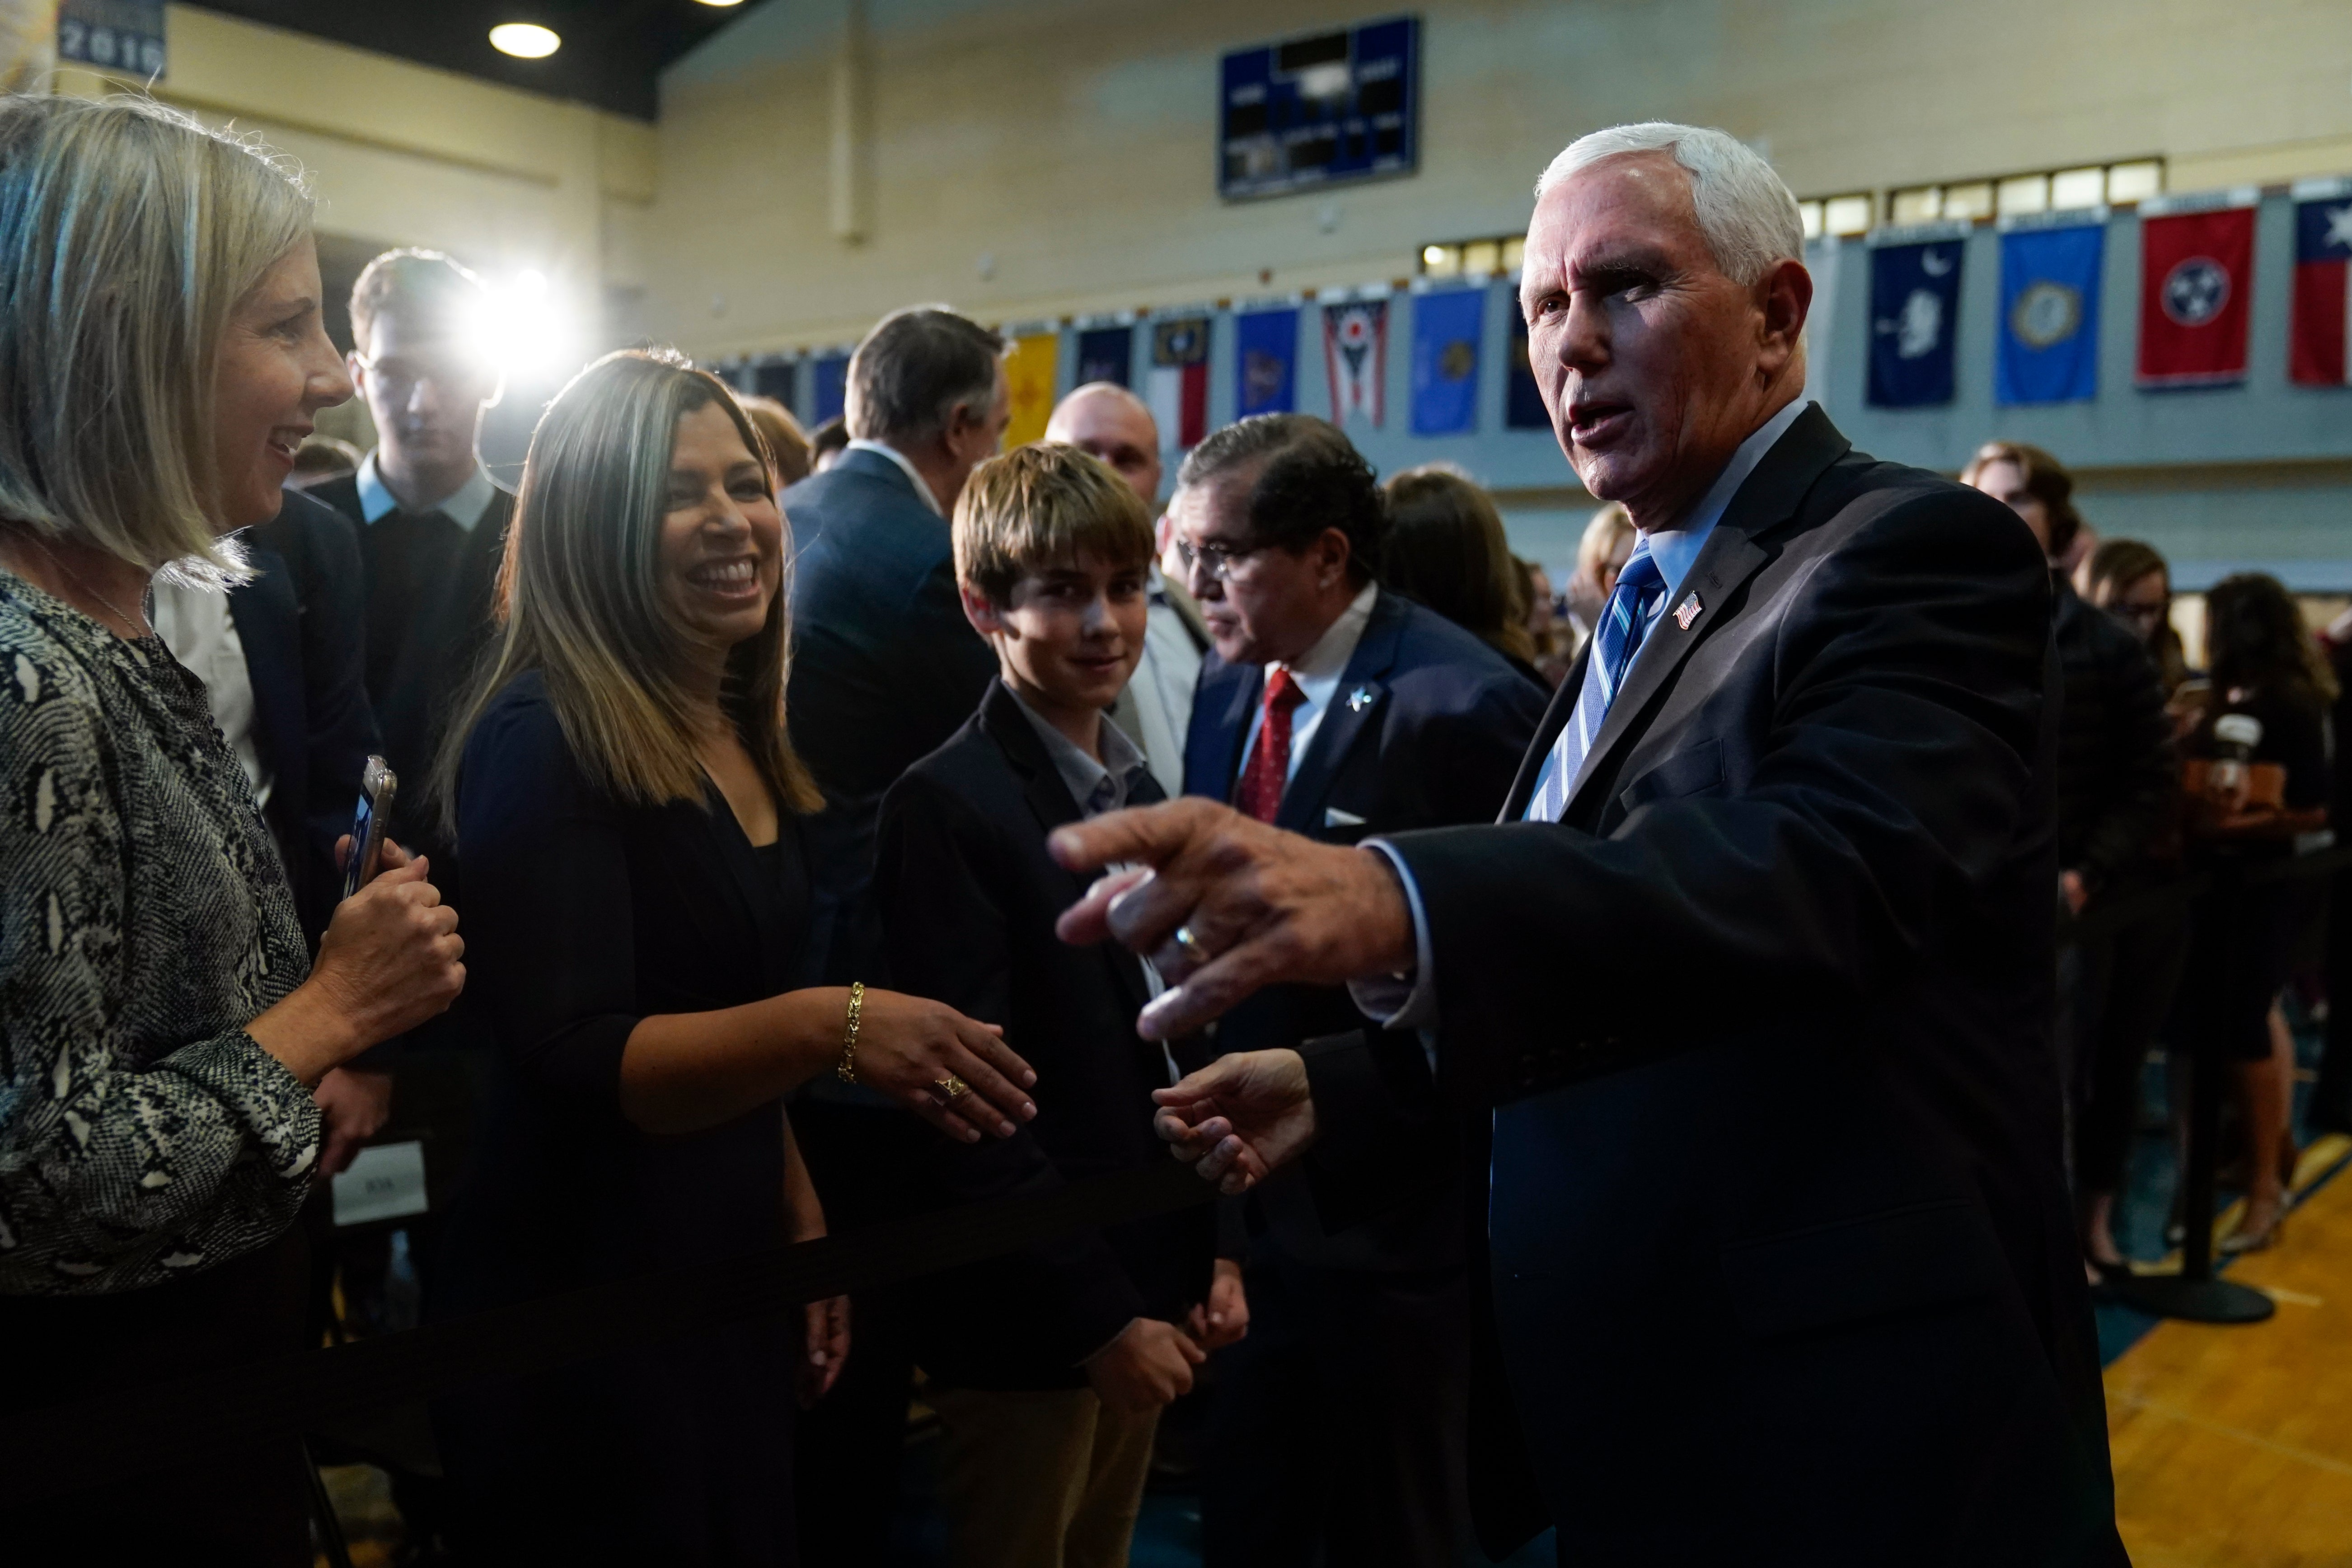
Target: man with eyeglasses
[(1339, 710), (432, 522)]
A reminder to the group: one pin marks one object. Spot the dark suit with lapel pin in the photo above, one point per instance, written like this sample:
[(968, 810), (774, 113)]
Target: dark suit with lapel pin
[(1341, 1414), (1782, 1260)]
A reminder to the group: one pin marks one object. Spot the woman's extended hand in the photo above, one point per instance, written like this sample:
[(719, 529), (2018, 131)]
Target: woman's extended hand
[(909, 1049), (390, 960)]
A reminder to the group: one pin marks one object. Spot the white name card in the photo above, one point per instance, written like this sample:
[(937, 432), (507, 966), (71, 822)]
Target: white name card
[(384, 1182)]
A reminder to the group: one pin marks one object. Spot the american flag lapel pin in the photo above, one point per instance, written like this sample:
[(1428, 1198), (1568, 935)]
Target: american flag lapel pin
[(1687, 611)]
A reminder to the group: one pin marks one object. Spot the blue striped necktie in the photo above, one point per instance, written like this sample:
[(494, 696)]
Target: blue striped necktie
[(1624, 621)]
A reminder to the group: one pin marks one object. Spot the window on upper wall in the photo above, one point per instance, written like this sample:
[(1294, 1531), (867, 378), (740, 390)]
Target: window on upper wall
[(1473, 257), (2055, 190)]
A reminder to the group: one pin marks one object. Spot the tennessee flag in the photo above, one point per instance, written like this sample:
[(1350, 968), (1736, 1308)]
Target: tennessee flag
[(2323, 283), (2197, 271)]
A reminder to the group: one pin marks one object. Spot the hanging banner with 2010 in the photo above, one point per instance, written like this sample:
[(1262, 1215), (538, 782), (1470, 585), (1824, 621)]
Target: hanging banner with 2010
[(1310, 112), (125, 35)]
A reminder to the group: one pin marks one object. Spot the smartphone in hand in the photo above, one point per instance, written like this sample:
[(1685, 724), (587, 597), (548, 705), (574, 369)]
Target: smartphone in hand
[(378, 784)]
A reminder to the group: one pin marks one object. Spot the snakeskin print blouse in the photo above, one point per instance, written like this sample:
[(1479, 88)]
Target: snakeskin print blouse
[(143, 923)]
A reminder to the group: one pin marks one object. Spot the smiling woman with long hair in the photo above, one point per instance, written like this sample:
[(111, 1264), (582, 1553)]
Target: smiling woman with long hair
[(628, 806)]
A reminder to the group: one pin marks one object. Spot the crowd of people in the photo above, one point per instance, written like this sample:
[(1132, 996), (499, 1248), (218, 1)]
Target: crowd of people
[(739, 770)]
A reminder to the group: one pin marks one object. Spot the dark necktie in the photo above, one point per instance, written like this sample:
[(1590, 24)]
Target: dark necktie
[(1269, 764)]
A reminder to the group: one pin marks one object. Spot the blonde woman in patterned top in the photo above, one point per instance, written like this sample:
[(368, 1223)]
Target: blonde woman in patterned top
[(161, 359)]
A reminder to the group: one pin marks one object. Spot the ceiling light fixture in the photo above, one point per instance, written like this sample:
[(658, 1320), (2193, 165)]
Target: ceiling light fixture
[(722, 2), (525, 41)]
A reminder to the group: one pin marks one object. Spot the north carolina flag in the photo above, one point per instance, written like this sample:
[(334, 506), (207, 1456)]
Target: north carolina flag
[(2323, 283), (1356, 354), (1179, 391), (2197, 271)]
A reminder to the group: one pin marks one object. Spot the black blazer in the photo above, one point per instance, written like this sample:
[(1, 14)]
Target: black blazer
[(417, 677), (1777, 1218), (969, 897), (1426, 729), (301, 620), (884, 668)]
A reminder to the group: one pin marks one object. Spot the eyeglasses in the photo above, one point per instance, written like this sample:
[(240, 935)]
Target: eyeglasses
[(1217, 560)]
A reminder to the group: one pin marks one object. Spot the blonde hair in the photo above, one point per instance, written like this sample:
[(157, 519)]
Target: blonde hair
[(129, 234), (788, 444), (1043, 506), (581, 600), (1603, 532)]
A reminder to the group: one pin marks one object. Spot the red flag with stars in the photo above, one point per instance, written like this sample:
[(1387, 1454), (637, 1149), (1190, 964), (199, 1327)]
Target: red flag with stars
[(2197, 271)]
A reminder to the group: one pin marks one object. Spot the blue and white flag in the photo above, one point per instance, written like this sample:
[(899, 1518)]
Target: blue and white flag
[(1106, 353), (1523, 404), (1265, 363), (1914, 301), (2050, 314), (1447, 326), (829, 388)]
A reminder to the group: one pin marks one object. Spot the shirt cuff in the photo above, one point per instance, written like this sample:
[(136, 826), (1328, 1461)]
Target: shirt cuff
[(1406, 1001)]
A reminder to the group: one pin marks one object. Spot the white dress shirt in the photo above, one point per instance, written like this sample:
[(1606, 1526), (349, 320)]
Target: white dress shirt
[(195, 625), (922, 485), (1161, 689), (463, 507), (1318, 673)]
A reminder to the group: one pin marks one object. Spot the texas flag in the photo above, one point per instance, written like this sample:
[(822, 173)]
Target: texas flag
[(1178, 388), (2323, 283), (2197, 272)]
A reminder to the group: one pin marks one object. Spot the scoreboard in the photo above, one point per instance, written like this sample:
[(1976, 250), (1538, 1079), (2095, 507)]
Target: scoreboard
[(1310, 112)]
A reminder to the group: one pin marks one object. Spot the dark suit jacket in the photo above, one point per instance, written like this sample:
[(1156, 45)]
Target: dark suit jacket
[(1777, 1218), (416, 683), (301, 621), (884, 668), (969, 897), (1426, 729)]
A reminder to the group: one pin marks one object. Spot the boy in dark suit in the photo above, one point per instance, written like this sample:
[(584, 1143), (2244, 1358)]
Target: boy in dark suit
[(1048, 1368)]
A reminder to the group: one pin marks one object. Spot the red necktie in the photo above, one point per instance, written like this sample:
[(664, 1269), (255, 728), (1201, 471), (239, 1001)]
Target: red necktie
[(1269, 764)]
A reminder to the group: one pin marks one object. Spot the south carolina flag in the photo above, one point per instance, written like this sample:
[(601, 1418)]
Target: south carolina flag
[(2197, 273), (1356, 352), (2323, 283), (1179, 391)]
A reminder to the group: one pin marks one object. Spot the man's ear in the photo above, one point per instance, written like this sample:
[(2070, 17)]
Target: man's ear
[(1785, 296), (985, 617), (1333, 551)]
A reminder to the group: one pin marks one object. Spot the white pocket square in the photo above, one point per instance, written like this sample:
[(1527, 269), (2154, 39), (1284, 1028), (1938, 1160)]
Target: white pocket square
[(1334, 817)]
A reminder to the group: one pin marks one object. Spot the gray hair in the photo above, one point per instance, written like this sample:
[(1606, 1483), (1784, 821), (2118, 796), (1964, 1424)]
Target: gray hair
[(1747, 215), (915, 370), (129, 233)]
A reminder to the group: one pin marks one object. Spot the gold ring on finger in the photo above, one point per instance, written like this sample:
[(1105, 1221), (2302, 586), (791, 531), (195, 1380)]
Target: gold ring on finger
[(1194, 950), (953, 1087)]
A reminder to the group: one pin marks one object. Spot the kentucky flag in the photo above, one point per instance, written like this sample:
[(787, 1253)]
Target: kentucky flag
[(1445, 330), (2197, 274), (2323, 283), (2049, 349), (1914, 301), (1178, 390), (1106, 353), (1355, 353), (1523, 406), (1265, 363), (830, 388)]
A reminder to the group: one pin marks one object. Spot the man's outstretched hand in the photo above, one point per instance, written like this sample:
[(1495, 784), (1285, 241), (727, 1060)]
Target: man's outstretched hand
[(1240, 1119), (1260, 905)]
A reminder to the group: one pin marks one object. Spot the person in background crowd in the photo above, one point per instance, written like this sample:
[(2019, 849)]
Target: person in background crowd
[(323, 457), (621, 782), (1048, 1367), (887, 668), (157, 1130), (1338, 710), (2130, 581), (1552, 633), (1600, 555), (2330, 1108), (2118, 814), (2265, 667), (1444, 549), (1155, 707), (827, 442), (432, 520), (788, 447)]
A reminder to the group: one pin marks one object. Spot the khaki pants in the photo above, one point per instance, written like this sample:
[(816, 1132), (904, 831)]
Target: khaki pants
[(1039, 1478)]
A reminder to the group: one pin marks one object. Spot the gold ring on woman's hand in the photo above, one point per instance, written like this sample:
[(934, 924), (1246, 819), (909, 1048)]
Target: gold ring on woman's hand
[(953, 1087), (1194, 950)]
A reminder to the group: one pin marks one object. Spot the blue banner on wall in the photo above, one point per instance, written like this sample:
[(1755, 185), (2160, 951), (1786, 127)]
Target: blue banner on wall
[(1265, 363), (1106, 353), (2049, 315), (1914, 301), (831, 388), (774, 379), (1523, 405), (1446, 327)]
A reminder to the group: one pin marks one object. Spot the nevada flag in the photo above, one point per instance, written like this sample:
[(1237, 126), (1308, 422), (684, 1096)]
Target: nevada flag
[(2323, 281)]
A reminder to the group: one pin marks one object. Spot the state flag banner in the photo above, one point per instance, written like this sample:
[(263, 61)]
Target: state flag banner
[(1265, 363), (1178, 390), (2049, 349), (1523, 404), (2196, 279), (1446, 327), (1915, 304), (829, 388), (1029, 369), (1356, 354), (2323, 290), (1106, 353)]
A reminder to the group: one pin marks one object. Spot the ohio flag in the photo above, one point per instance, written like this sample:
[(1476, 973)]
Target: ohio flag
[(1356, 352), (2197, 269), (2323, 283)]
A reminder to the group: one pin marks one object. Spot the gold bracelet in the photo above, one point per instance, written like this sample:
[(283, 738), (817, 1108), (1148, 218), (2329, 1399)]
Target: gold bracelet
[(846, 1070)]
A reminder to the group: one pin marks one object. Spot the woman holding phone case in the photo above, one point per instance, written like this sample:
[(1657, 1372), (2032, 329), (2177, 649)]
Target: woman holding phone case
[(629, 807), (162, 356)]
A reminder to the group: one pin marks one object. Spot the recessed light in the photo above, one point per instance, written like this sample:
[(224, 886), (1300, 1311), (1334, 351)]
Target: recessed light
[(525, 41), (722, 2)]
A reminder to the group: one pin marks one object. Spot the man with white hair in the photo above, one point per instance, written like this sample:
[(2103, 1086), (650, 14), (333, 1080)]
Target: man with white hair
[(1754, 973), (1111, 423)]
